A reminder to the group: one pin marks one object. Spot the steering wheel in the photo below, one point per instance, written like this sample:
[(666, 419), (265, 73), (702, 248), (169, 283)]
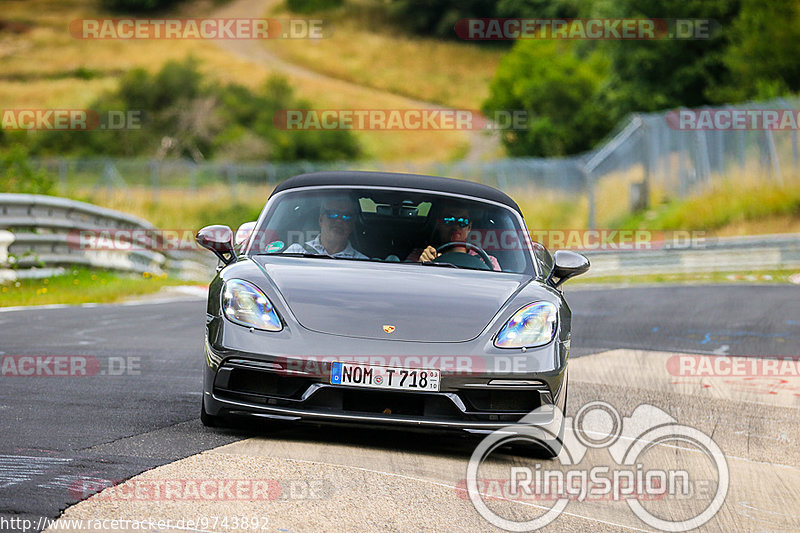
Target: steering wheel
[(481, 252)]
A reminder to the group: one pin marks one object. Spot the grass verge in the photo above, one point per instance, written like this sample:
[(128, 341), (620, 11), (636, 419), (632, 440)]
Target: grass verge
[(82, 285), (366, 48), (44, 66), (179, 209), (735, 206)]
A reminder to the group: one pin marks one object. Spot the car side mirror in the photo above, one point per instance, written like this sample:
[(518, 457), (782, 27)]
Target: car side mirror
[(243, 234), (568, 264), (218, 239)]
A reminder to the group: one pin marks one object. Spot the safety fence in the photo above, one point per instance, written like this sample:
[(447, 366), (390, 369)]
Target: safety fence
[(646, 158)]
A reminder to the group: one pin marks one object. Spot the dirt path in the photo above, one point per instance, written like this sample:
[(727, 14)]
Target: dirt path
[(482, 145)]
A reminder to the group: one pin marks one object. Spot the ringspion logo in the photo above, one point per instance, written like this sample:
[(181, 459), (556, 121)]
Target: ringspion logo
[(628, 477)]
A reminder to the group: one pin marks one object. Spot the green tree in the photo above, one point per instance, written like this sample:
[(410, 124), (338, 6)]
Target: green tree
[(763, 55), (560, 92), (607, 79), (650, 75), (539, 9), (312, 6)]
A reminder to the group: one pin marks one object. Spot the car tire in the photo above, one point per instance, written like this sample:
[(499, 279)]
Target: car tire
[(549, 450), (208, 420), (554, 449)]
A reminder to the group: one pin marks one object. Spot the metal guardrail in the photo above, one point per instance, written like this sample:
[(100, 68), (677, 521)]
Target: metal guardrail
[(38, 232), (724, 254)]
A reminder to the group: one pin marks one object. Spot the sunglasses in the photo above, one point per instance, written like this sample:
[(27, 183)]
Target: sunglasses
[(461, 221), (334, 215)]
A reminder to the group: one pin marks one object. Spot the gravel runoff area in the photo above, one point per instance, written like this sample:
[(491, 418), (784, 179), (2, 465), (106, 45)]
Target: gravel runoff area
[(349, 480)]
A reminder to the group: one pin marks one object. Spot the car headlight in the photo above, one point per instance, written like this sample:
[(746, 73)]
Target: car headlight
[(244, 304), (533, 325)]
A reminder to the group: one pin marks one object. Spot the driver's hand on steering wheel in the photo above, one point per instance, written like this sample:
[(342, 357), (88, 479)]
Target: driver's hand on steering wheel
[(428, 254)]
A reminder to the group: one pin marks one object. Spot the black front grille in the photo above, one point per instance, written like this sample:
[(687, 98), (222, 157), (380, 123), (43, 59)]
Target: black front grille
[(501, 400), (262, 383), (358, 401), (237, 381), (383, 402)]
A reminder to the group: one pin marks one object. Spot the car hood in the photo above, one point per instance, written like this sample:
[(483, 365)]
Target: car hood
[(357, 299)]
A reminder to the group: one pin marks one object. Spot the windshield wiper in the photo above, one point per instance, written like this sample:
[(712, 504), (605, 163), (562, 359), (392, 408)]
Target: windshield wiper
[(297, 254), (309, 254), (431, 263)]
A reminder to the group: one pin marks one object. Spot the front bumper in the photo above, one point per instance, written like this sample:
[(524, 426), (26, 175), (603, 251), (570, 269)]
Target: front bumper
[(289, 389)]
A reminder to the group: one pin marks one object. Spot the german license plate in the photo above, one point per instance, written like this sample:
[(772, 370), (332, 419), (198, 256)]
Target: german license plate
[(384, 377)]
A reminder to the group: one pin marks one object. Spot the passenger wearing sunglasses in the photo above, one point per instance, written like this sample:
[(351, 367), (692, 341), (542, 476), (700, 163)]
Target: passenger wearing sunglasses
[(336, 223), (452, 225)]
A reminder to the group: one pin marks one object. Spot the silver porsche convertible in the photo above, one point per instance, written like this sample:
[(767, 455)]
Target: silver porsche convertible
[(386, 299)]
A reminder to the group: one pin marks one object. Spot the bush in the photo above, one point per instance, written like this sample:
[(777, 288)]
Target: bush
[(312, 6), (437, 18), (186, 115), (136, 6), (18, 176)]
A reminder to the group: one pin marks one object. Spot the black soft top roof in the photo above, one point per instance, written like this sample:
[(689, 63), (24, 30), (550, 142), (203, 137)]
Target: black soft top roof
[(396, 179)]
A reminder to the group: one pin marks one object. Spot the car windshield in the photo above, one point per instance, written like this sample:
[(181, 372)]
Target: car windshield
[(390, 225)]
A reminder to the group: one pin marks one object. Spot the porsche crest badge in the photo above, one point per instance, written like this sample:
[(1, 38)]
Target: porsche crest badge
[(388, 328)]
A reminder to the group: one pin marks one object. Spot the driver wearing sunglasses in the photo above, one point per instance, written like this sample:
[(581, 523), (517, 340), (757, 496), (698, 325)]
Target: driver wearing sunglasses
[(337, 218), (452, 225)]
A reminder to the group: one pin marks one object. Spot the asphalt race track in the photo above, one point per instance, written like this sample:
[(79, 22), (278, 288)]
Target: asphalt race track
[(140, 408)]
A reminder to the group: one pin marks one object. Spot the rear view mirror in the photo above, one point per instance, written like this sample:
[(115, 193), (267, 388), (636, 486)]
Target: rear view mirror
[(568, 264), (243, 234), (218, 239)]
